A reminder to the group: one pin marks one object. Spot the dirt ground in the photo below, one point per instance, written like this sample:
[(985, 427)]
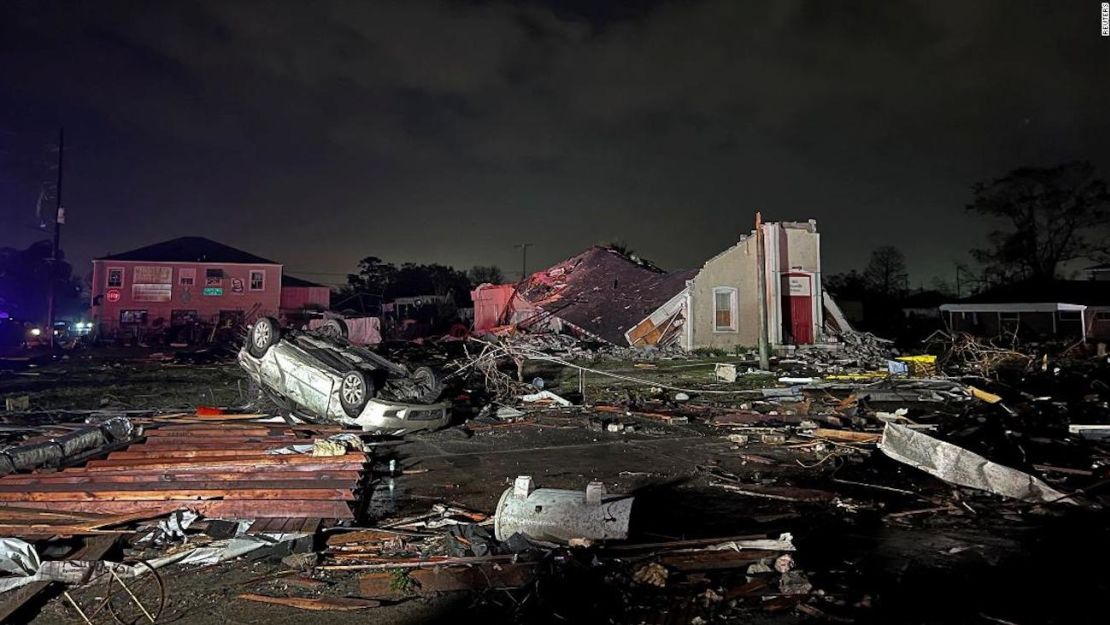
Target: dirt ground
[(985, 567)]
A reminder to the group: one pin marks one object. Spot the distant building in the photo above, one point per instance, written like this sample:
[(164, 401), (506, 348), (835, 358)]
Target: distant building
[(1098, 272), (923, 305), (408, 307), (299, 296), (182, 282), (1062, 308)]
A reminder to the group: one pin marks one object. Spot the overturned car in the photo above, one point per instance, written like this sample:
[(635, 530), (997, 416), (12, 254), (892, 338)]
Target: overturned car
[(322, 373)]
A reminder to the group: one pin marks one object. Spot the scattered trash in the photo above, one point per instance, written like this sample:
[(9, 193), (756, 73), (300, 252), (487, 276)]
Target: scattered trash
[(652, 574), (724, 372), (545, 397)]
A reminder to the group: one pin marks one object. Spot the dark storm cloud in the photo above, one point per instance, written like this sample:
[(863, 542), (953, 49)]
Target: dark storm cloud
[(447, 131)]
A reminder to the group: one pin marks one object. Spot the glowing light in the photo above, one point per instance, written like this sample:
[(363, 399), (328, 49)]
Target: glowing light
[(35, 331)]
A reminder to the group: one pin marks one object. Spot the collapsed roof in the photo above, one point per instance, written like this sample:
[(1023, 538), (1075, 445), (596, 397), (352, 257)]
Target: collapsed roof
[(602, 292)]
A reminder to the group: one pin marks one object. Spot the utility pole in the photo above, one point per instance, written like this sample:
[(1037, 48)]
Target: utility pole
[(59, 219), (523, 260), (761, 272)]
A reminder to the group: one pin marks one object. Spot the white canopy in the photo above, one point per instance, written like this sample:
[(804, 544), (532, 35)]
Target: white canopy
[(1016, 307)]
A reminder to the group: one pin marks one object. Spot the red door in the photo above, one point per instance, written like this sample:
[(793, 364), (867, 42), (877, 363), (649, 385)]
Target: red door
[(798, 317)]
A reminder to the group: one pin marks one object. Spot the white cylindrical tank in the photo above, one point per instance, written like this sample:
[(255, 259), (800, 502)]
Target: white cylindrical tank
[(556, 515)]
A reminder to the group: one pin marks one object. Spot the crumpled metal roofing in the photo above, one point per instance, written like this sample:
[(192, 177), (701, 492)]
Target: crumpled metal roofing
[(603, 292)]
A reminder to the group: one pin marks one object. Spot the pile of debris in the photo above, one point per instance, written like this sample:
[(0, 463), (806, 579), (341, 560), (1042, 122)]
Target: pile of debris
[(187, 489)]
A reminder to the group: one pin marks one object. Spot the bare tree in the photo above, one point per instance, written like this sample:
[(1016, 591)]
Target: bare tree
[(886, 272), (1053, 214), (481, 274)]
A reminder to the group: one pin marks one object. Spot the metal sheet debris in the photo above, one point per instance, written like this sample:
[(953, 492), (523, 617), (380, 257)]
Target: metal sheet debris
[(959, 466)]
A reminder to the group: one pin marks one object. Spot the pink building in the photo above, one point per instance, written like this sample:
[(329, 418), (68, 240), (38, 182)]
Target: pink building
[(298, 296), (188, 281)]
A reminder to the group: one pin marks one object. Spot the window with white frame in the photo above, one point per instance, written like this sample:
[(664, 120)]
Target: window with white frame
[(187, 276), (724, 309), (258, 280), (213, 276), (115, 277)]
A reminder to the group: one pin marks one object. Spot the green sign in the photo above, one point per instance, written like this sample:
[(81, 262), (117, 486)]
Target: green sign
[(213, 290)]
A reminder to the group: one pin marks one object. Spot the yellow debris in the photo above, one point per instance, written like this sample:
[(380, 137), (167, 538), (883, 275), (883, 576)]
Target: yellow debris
[(990, 398)]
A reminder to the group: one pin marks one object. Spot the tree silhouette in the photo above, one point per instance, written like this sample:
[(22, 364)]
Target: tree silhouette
[(1053, 215), (886, 272)]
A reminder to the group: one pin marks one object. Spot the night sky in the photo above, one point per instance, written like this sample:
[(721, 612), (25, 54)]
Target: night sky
[(316, 133)]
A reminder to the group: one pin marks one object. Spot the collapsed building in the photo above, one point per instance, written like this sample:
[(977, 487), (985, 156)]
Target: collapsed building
[(627, 301), (600, 294)]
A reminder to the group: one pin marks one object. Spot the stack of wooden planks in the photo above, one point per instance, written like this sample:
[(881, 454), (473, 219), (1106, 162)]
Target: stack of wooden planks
[(218, 469)]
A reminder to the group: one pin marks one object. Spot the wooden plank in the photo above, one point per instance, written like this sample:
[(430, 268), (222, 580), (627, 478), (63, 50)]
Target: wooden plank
[(847, 436), (238, 508), (120, 519), (182, 494), (323, 604), (360, 536), (258, 526), (40, 532), (189, 453), (94, 549), (238, 442), (223, 466), (256, 456), (213, 432), (220, 429), (218, 485), (230, 417), (194, 475), (714, 560), (347, 461), (22, 513), (476, 577)]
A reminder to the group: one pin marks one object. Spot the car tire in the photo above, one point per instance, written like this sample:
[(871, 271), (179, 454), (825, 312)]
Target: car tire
[(429, 386), (333, 329), (355, 389), (263, 333)]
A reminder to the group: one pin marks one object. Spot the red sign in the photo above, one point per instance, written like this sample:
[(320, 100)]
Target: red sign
[(113, 295)]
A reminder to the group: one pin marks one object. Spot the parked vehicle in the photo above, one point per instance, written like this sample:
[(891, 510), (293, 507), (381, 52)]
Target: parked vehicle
[(322, 373)]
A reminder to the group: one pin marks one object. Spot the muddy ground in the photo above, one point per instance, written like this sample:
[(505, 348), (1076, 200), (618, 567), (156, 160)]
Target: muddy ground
[(992, 564)]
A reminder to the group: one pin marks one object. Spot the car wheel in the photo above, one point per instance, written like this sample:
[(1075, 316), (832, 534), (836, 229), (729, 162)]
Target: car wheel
[(333, 329), (264, 333), (428, 385), (355, 389)]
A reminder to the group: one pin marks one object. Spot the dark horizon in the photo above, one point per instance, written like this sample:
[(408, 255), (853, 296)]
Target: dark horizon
[(450, 132)]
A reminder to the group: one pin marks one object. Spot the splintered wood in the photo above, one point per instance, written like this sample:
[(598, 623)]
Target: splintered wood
[(215, 469)]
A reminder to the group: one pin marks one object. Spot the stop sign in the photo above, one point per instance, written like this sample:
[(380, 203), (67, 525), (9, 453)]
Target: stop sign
[(113, 295)]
